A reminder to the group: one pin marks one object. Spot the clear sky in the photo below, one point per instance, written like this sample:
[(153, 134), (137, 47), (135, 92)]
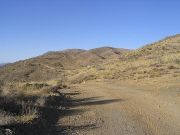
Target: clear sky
[(31, 27)]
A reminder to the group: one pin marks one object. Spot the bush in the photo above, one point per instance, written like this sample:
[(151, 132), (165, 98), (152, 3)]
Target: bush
[(171, 67), (34, 86), (29, 113), (1, 83), (177, 61), (15, 111), (6, 118)]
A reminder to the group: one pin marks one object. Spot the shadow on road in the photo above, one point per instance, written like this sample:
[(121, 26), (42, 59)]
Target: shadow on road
[(55, 108)]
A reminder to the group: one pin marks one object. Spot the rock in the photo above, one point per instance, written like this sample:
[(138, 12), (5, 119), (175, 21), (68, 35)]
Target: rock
[(8, 132)]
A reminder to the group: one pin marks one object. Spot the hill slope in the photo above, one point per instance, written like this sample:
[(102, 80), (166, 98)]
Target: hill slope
[(75, 65), (53, 65), (154, 60), (38, 93)]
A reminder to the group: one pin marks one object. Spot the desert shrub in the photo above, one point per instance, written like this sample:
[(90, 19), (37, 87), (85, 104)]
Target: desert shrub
[(81, 77), (57, 64), (175, 75), (10, 105), (34, 86), (177, 61), (62, 84), (178, 41), (15, 110), (6, 118), (28, 113), (171, 67), (100, 68), (1, 83), (40, 101), (171, 58)]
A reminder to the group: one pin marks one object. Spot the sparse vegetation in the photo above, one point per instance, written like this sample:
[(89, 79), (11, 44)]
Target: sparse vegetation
[(24, 103), (109, 63), (30, 87)]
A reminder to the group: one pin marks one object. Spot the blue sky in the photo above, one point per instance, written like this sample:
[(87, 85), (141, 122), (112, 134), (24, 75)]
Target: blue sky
[(31, 27)]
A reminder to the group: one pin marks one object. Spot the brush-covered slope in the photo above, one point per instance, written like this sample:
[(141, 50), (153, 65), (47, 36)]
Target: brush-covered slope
[(159, 59), (54, 65), (154, 60), (167, 46), (75, 58)]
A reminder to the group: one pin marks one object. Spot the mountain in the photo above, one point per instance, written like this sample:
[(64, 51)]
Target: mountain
[(53, 65), (74, 58), (163, 47), (34, 91), (158, 59)]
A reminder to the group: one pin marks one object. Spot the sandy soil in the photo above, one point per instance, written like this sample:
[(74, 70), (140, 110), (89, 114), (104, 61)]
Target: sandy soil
[(123, 108)]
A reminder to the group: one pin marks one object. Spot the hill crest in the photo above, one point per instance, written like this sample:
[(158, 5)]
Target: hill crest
[(104, 62)]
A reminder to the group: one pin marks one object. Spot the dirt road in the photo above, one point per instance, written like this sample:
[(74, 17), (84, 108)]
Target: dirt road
[(113, 108)]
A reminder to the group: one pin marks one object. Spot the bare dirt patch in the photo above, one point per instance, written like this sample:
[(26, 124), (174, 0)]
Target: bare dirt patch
[(125, 108)]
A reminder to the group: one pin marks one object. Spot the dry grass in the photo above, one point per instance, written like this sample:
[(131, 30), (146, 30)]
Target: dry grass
[(26, 85), (6, 118), (102, 63), (18, 102), (29, 113)]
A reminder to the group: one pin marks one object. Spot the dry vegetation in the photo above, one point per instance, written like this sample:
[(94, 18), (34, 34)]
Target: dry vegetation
[(75, 66), (26, 86), (23, 105), (155, 60)]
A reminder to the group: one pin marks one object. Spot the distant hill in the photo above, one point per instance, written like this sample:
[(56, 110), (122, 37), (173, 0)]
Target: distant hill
[(158, 59), (55, 64), (2, 64), (74, 58)]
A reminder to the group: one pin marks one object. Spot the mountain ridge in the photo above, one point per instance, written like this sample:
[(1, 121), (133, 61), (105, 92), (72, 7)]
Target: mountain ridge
[(104, 62)]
